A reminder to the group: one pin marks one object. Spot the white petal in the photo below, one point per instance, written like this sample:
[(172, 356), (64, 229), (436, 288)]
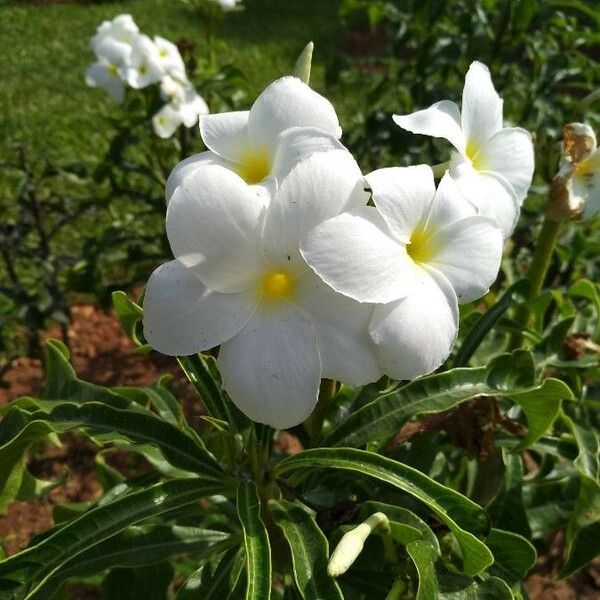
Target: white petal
[(449, 205), (490, 193), (347, 351), (296, 144), (592, 203), (166, 121), (468, 254), (355, 254), (509, 152), (441, 119), (403, 196), (213, 225), (287, 103), (182, 316), (319, 187), (226, 134), (481, 107), (187, 166), (271, 368), (415, 335)]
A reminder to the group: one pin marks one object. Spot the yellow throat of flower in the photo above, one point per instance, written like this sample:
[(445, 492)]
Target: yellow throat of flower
[(420, 248), (113, 71), (254, 166), (276, 286), (473, 154)]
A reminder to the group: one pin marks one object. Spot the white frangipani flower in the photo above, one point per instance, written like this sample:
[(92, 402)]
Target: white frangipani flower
[(116, 36), (493, 165), (418, 254), (185, 109), (239, 281), (106, 72), (145, 66), (249, 142), (575, 190)]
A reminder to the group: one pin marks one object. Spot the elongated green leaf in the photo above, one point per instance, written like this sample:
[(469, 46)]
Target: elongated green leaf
[(514, 555), (584, 288), (517, 292), (457, 587), (424, 556), (310, 551), (180, 449), (460, 514), (583, 531), (43, 560), (256, 542), (381, 418), (200, 370)]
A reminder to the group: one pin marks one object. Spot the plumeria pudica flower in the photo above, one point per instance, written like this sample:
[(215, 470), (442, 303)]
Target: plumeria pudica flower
[(492, 164), (417, 254), (239, 281)]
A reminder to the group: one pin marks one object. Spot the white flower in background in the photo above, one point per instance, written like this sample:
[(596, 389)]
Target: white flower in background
[(493, 165), (575, 190), (145, 66), (418, 254), (169, 58), (238, 281), (116, 36), (227, 5), (184, 109), (106, 72), (250, 142)]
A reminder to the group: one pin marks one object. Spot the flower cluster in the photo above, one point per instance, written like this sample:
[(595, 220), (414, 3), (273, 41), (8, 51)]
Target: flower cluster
[(300, 268), (126, 57)]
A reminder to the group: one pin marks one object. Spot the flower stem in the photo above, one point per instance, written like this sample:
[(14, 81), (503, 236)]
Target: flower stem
[(538, 269), (314, 423)]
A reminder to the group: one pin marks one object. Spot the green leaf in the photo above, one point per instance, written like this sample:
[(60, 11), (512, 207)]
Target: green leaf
[(461, 515), (44, 560), (256, 542), (180, 449), (201, 371), (517, 292), (148, 582), (584, 288), (514, 555), (129, 314), (382, 417), (583, 531), (507, 509), (424, 556), (310, 551), (458, 587)]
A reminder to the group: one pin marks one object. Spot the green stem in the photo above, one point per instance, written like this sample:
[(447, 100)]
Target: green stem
[(397, 590), (538, 269), (314, 423)]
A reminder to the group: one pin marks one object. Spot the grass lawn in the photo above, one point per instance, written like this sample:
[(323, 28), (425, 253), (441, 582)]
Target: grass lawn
[(45, 103)]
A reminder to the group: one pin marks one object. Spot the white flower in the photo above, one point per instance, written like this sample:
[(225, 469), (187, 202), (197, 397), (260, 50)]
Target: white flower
[(249, 142), (494, 164), (239, 281), (576, 188), (169, 58), (185, 108), (227, 5), (105, 73), (145, 65), (116, 36), (417, 255)]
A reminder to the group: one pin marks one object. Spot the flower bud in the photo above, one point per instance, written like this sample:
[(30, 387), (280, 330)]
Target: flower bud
[(352, 542)]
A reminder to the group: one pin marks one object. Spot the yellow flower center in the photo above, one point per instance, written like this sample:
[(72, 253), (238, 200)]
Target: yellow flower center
[(585, 168), (420, 248), (143, 69), (112, 70), (254, 166), (277, 285), (472, 152), (163, 53)]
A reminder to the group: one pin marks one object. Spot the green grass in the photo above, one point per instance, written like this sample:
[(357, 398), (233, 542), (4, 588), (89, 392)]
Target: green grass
[(46, 105)]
